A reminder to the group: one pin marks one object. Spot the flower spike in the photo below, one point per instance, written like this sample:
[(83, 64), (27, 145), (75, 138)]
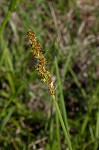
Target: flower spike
[(40, 67)]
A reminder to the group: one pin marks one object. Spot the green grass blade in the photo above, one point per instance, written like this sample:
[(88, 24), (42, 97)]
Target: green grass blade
[(6, 119)]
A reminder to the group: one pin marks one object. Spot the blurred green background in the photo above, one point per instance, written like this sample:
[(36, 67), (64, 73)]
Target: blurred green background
[(68, 31)]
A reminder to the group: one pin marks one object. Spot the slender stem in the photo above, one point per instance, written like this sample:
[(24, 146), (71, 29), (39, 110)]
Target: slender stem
[(62, 123), (58, 127), (5, 21), (58, 131), (62, 104)]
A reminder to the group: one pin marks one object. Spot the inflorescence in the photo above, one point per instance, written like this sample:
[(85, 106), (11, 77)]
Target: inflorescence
[(40, 67)]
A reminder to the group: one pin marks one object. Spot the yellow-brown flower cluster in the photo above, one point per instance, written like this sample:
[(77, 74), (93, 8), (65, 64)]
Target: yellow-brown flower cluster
[(37, 53)]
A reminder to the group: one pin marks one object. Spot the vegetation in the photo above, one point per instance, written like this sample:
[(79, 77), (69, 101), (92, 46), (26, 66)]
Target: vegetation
[(69, 34)]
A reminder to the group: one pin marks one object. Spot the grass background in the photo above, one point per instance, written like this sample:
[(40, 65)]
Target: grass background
[(69, 34)]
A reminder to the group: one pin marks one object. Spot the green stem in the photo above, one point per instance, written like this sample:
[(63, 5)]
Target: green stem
[(58, 127), (13, 4), (5, 22), (62, 123), (64, 113)]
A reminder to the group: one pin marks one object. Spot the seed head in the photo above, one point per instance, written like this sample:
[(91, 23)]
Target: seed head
[(40, 67)]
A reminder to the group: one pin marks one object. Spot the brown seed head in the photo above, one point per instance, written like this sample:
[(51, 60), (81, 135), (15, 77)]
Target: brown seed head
[(40, 67)]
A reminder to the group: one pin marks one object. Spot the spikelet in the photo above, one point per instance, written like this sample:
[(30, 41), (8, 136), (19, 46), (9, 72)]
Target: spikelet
[(40, 67)]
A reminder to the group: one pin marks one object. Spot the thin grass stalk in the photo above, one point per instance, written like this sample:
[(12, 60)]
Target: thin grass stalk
[(5, 22), (62, 123), (63, 108), (12, 6), (58, 128)]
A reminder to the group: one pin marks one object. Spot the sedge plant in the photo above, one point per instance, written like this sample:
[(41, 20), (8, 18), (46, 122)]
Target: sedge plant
[(46, 77)]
